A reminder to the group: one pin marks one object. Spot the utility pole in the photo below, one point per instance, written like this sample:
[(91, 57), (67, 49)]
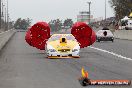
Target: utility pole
[(105, 10), (105, 15), (2, 10), (89, 11), (7, 17), (0, 14)]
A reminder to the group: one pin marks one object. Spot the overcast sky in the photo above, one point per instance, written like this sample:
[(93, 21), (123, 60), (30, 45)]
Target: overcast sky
[(45, 10)]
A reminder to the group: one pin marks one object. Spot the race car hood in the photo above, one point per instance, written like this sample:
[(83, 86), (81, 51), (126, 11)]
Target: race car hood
[(69, 45)]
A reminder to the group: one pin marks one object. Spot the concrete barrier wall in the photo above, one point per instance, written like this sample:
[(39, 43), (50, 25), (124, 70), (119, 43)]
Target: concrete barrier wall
[(123, 34), (5, 36)]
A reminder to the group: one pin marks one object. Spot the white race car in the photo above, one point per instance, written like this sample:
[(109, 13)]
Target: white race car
[(104, 35)]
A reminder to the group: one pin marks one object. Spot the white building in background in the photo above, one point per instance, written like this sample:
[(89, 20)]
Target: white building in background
[(84, 17)]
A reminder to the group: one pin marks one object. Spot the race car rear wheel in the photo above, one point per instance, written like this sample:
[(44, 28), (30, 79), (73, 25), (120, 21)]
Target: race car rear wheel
[(98, 40), (112, 40)]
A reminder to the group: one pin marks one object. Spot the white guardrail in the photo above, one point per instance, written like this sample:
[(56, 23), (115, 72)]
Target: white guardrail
[(5, 36), (123, 34)]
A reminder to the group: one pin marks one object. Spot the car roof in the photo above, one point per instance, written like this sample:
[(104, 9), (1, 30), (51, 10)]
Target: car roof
[(105, 28)]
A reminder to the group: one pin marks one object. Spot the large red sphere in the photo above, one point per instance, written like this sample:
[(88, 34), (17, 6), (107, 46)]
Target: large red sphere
[(83, 33), (38, 34)]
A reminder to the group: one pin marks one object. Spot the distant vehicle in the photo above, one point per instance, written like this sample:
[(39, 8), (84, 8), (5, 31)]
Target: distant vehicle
[(126, 22), (129, 25), (104, 35)]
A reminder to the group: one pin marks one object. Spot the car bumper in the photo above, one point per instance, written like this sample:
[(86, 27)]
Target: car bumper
[(59, 57), (128, 28), (63, 55), (105, 38)]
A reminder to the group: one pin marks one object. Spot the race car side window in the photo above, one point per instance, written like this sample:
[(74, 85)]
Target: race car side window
[(57, 37)]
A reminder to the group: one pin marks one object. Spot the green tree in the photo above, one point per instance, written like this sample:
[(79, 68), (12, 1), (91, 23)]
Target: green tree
[(22, 23), (55, 25), (68, 23), (121, 7)]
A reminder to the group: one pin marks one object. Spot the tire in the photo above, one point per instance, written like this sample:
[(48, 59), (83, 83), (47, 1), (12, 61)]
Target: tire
[(126, 28), (112, 40), (98, 40)]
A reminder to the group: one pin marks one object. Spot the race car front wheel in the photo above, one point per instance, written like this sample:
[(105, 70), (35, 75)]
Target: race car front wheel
[(112, 40), (98, 40)]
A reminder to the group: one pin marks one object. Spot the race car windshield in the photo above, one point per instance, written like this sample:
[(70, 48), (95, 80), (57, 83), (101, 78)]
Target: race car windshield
[(57, 37), (53, 38), (70, 38)]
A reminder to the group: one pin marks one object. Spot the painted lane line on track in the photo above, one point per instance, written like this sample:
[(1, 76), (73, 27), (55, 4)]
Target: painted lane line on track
[(112, 53)]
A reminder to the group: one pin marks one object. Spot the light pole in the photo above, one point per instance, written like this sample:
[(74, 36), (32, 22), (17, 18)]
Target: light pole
[(89, 11), (7, 16), (105, 10), (2, 10), (0, 14)]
